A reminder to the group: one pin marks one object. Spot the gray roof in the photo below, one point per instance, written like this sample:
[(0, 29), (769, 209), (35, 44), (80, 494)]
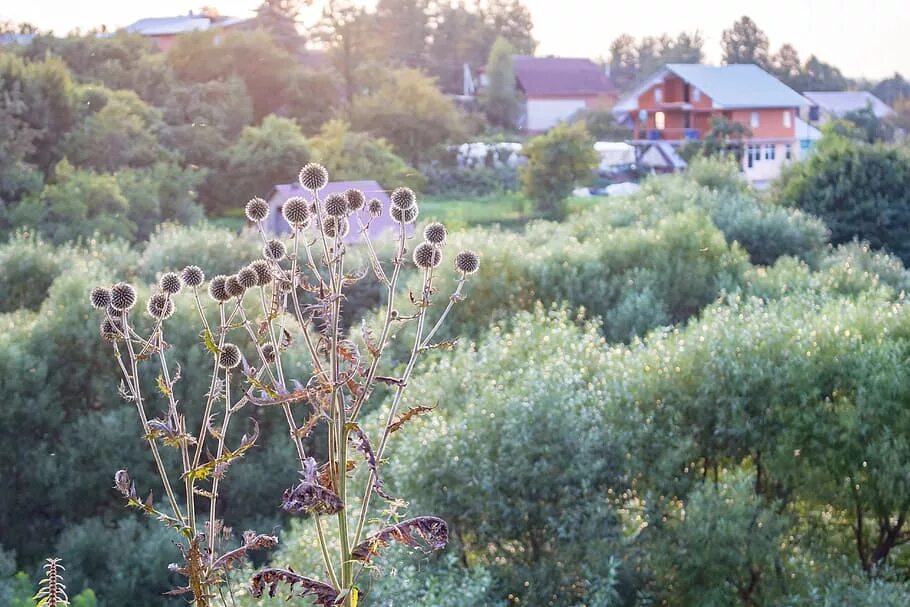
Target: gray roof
[(735, 86), (162, 26), (842, 102), (382, 228)]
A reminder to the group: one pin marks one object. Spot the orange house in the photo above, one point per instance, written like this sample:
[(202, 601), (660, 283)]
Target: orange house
[(677, 103)]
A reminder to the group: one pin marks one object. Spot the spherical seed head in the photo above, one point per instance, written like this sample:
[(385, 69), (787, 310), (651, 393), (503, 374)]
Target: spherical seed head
[(404, 215), (355, 199), (218, 288), (257, 209), (427, 255), (229, 357), (123, 296), (274, 250), (403, 198), (110, 330), (375, 207), (268, 352), (192, 276), (335, 226), (100, 298), (313, 177), (247, 278), (160, 306), (435, 233), (296, 212), (170, 283), (263, 273), (335, 205), (233, 287), (467, 262)]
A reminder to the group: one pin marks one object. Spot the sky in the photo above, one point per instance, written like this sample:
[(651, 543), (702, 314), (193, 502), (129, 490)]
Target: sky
[(864, 38)]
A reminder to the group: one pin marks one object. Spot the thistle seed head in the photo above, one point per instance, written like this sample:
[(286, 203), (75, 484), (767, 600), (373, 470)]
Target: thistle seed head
[(268, 352), (295, 212), (313, 177), (248, 278), (218, 288), (375, 207), (335, 205), (111, 330), (160, 306), (256, 210), (170, 283), (335, 226), (229, 357), (435, 233), (100, 298), (263, 273), (467, 262), (123, 296), (355, 199), (403, 198), (274, 250), (404, 215), (427, 255), (192, 276), (233, 287)]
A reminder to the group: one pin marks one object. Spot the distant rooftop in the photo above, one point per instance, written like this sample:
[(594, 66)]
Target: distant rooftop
[(560, 76), (843, 102), (162, 26)]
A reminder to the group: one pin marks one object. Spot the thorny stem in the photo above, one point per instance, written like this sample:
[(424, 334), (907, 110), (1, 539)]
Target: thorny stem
[(215, 480), (456, 296)]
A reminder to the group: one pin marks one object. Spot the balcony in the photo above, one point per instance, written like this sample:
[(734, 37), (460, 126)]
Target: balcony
[(673, 133)]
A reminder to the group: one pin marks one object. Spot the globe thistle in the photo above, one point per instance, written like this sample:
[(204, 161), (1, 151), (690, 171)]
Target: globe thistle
[(263, 273), (248, 278), (229, 357), (268, 353), (427, 255), (123, 296), (218, 288), (467, 262), (160, 306), (404, 215), (295, 212), (274, 250), (335, 226), (233, 287), (313, 177), (435, 233), (355, 199), (403, 198), (313, 209), (192, 276), (111, 330), (335, 205), (170, 283), (256, 210), (375, 207), (100, 298)]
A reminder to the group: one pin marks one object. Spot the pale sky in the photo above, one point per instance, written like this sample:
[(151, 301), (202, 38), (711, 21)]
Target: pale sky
[(868, 38)]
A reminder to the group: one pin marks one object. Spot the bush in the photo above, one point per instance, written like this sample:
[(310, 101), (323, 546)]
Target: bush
[(478, 182), (175, 247), (29, 267), (557, 161)]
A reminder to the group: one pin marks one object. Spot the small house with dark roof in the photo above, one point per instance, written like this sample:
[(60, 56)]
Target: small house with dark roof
[(556, 88), (837, 104), (381, 229)]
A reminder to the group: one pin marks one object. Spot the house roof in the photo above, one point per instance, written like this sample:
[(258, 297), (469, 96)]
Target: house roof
[(162, 26), (842, 102), (742, 85), (560, 76)]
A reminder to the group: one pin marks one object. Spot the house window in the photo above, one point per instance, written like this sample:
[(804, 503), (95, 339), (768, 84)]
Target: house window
[(753, 120), (751, 155), (696, 95), (770, 151), (659, 121), (658, 95), (787, 119), (788, 152)]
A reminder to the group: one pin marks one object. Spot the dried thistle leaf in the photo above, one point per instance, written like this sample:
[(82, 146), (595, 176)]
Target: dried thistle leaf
[(218, 466), (431, 529), (392, 381), (447, 344), (411, 413), (368, 339), (311, 498), (322, 594), (251, 541), (361, 443)]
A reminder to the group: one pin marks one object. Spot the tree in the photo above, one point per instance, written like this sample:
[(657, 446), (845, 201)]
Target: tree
[(602, 125), (279, 19), (557, 161), (500, 100), (786, 66), (509, 19), (17, 142), (821, 76), (406, 30), (872, 128), (351, 35), (408, 111), (312, 98), (891, 89), (459, 38), (745, 43), (623, 62)]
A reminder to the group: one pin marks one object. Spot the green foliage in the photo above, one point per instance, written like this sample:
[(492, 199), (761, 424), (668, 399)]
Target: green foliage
[(602, 125), (860, 190), (499, 99), (407, 110), (871, 127), (174, 247), (471, 183), (29, 267), (312, 99), (744, 42), (557, 161)]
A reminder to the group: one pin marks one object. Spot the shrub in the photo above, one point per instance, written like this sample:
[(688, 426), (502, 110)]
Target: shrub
[(557, 161), (29, 267), (175, 247), (478, 182)]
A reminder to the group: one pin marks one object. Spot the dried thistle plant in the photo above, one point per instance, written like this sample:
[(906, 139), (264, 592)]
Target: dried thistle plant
[(51, 590), (298, 286)]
